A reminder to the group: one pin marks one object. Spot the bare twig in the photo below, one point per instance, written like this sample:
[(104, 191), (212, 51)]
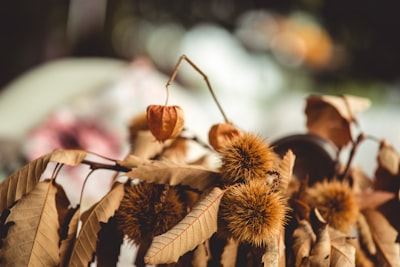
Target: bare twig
[(174, 73)]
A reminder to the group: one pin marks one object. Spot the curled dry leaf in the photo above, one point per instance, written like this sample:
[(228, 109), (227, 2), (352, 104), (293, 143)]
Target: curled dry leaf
[(165, 122), (198, 226), (303, 240), (164, 172), (33, 239), (342, 252), (321, 250), (22, 181), (85, 244), (330, 116), (220, 134), (384, 235), (201, 255), (388, 158), (365, 235), (25, 179), (286, 171)]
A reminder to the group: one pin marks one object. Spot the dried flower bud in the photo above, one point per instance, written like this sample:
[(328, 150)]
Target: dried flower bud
[(220, 134), (165, 122), (251, 213)]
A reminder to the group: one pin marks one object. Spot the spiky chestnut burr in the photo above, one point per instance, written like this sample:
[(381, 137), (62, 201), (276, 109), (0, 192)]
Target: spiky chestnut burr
[(148, 210), (336, 202), (251, 213), (246, 157)]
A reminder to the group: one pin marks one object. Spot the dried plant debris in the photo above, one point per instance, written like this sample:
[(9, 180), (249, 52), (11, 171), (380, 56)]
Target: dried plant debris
[(248, 207)]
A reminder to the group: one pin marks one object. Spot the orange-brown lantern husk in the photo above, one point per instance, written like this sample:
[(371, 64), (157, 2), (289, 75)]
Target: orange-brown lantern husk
[(220, 134), (165, 122)]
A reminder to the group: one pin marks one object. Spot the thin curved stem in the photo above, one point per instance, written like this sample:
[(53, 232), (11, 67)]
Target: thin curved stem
[(174, 73)]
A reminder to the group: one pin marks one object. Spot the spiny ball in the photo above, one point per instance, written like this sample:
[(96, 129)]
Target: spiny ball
[(148, 210), (336, 202), (251, 213), (246, 157)]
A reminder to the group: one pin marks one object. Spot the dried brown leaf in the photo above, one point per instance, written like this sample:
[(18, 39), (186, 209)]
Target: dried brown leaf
[(24, 180), (342, 252), (388, 158), (33, 239), (164, 172), (365, 235), (67, 243), (85, 244), (201, 255), (388, 251), (303, 240), (144, 146), (374, 199), (70, 157), (229, 254), (320, 252), (286, 171), (198, 226), (330, 116)]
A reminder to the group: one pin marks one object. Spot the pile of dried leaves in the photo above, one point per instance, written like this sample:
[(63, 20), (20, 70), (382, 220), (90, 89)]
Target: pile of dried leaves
[(240, 202)]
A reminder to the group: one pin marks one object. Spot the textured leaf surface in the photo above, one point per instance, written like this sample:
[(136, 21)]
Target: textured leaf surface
[(330, 116), (303, 240), (388, 251), (163, 172), (33, 240), (198, 225), (286, 170), (342, 252), (22, 181), (70, 157), (85, 244)]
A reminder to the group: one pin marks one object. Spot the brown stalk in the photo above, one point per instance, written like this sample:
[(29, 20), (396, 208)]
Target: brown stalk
[(175, 72)]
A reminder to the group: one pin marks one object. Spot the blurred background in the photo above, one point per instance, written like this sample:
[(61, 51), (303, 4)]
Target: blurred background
[(73, 73)]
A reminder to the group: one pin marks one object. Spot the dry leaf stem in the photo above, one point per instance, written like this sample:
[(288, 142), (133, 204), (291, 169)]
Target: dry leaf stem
[(175, 72)]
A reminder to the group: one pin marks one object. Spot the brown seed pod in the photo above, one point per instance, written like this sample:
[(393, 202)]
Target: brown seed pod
[(247, 157), (336, 202), (148, 210), (251, 213), (220, 134), (165, 122)]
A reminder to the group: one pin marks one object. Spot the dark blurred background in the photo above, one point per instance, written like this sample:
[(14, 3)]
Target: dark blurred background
[(32, 32)]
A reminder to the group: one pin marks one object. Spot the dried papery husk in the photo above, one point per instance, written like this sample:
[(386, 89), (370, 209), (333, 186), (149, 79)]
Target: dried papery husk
[(148, 210), (165, 122), (251, 213), (220, 134), (247, 157), (336, 202), (303, 240)]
